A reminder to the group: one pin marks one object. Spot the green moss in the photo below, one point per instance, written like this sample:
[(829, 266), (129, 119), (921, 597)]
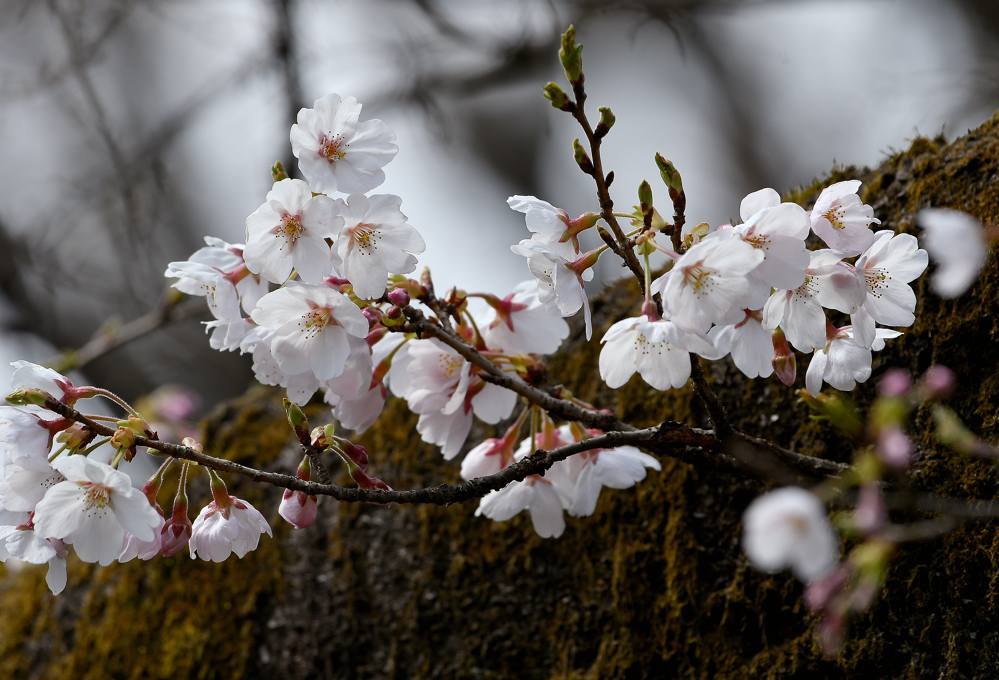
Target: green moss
[(653, 585)]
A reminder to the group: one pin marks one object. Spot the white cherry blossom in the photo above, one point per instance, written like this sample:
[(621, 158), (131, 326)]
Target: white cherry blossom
[(218, 273), (829, 282), (885, 269), (288, 231), (618, 468), (559, 277), (374, 240), (749, 343), (21, 542), (93, 508), (844, 361), (779, 231), (337, 151), (956, 242), (310, 327), (226, 526), (708, 282), (842, 220), (658, 350), (521, 323), (537, 495), (788, 528)]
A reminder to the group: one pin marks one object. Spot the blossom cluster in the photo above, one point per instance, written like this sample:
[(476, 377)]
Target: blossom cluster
[(61, 490), (748, 289)]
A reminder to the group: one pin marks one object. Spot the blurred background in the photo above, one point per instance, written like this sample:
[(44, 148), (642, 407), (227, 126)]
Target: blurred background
[(132, 128)]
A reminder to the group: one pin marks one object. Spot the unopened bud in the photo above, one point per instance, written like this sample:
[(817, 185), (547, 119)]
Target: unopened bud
[(26, 397), (557, 97), (784, 362), (669, 173), (278, 172), (582, 159), (298, 421), (894, 447), (571, 56), (938, 382), (607, 120), (871, 514), (896, 382), (76, 437), (372, 314), (398, 297)]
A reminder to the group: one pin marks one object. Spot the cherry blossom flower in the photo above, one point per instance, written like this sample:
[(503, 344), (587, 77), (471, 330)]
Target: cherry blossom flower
[(357, 407), (25, 438), (225, 526), (560, 279), (439, 386), (886, 268), (288, 231), (789, 528), (708, 282), (550, 224), (843, 361), (227, 335), (310, 328), (218, 273), (658, 350), (21, 542), (779, 231), (93, 508), (521, 323), (29, 376), (829, 282), (537, 495), (144, 550), (374, 241), (749, 343), (842, 220), (338, 152), (495, 453), (618, 468), (956, 242), (23, 486)]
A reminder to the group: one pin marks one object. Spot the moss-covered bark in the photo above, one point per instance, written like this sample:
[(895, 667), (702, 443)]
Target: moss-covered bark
[(653, 585)]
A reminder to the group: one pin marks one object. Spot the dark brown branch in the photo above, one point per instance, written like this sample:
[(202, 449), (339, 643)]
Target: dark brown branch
[(443, 494)]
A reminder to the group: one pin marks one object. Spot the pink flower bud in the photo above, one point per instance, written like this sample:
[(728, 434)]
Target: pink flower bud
[(357, 453), (372, 315), (394, 313), (895, 383), (894, 447), (784, 362), (938, 382), (298, 508), (870, 515), (819, 593), (398, 297), (176, 532)]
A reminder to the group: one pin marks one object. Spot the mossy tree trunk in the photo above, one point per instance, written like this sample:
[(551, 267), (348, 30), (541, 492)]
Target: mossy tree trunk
[(652, 585)]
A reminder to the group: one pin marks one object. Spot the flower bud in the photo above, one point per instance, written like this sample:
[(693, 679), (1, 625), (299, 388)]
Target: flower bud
[(607, 120), (28, 397), (938, 382), (819, 593), (176, 531), (871, 514), (278, 172), (557, 97), (894, 447), (297, 507), (784, 362), (896, 382), (296, 418), (398, 297), (669, 173), (373, 315), (571, 56), (582, 159)]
